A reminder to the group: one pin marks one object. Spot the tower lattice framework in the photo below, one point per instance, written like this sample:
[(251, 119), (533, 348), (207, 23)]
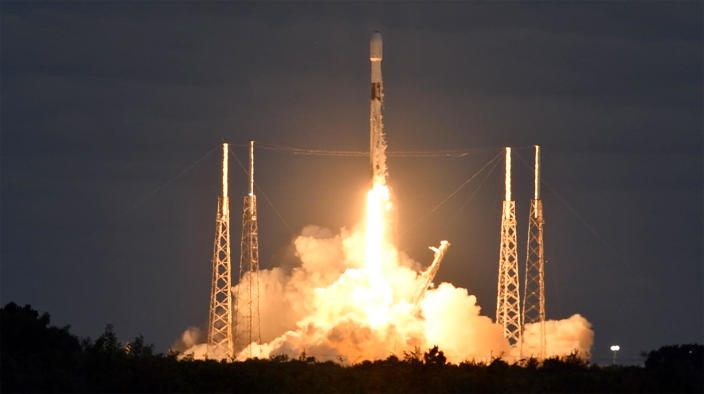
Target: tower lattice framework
[(534, 288), (248, 321), (220, 343), (508, 299)]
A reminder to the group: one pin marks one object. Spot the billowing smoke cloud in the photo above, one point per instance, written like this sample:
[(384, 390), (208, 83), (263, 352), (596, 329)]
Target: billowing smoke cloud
[(332, 308), (562, 337), (192, 342)]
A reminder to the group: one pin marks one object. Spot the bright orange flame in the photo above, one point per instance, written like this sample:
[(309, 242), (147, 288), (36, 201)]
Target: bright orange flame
[(380, 290), (377, 198)]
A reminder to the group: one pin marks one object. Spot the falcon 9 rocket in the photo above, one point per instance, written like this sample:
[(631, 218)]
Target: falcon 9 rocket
[(377, 142)]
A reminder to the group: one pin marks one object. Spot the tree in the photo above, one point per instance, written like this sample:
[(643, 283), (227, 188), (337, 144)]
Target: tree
[(677, 368), (413, 356), (434, 356), (35, 355)]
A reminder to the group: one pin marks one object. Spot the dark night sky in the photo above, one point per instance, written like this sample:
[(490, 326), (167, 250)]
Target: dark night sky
[(103, 103)]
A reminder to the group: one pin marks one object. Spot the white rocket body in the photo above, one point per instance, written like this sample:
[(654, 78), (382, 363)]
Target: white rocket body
[(377, 142)]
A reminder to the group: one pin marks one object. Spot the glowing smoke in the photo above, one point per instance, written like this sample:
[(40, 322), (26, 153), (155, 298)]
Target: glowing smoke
[(320, 306), (352, 297), (562, 337)]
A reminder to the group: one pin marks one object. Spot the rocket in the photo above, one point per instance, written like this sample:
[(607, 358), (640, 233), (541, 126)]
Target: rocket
[(377, 142)]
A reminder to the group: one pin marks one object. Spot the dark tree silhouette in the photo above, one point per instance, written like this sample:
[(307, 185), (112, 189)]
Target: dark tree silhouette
[(38, 357), (434, 356)]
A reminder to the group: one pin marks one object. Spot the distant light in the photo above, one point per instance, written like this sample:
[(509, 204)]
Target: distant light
[(615, 348)]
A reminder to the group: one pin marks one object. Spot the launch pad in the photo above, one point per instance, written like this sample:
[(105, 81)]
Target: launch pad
[(235, 323)]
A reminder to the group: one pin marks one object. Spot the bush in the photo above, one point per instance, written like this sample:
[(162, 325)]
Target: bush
[(39, 357)]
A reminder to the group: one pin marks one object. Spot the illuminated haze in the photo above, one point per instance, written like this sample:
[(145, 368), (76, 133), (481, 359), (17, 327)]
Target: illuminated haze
[(352, 297), (104, 104)]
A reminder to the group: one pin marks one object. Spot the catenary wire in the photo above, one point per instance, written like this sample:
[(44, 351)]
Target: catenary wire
[(567, 205), (456, 153), (452, 194), (474, 192), (148, 195), (266, 197)]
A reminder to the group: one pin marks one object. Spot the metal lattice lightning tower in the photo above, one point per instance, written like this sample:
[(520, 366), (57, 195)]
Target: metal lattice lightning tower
[(247, 319), (534, 288), (220, 344), (508, 299)]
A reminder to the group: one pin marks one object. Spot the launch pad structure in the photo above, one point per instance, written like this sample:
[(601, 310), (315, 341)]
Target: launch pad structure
[(510, 313), (428, 275), (534, 288), (508, 298), (220, 343), (233, 319), (247, 318), (234, 322)]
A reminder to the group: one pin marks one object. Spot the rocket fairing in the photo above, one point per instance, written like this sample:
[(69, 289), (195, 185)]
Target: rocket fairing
[(377, 143)]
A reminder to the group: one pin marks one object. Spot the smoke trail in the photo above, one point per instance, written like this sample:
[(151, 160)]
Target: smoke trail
[(562, 337), (321, 308), (352, 297)]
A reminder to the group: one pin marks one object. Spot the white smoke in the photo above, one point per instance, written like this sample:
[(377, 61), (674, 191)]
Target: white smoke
[(191, 343), (325, 308), (563, 337)]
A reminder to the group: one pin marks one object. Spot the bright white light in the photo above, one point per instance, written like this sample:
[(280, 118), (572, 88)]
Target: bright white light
[(615, 348)]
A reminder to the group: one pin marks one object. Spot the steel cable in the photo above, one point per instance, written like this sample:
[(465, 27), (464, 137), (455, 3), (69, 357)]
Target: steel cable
[(168, 182), (266, 197), (442, 202)]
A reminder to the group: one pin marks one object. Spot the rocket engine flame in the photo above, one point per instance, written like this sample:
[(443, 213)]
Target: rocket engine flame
[(333, 306), (378, 196), (356, 297), (377, 204)]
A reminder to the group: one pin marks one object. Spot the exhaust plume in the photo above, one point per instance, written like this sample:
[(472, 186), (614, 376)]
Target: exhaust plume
[(321, 308)]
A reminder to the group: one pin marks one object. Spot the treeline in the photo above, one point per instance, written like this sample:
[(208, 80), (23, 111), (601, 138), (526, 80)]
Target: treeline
[(38, 357)]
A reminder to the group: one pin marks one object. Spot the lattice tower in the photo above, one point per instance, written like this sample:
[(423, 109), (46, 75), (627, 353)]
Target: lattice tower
[(508, 298), (247, 318), (220, 343), (534, 288)]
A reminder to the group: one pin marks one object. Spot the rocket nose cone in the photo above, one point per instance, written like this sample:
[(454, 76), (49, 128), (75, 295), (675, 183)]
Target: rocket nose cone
[(375, 46)]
